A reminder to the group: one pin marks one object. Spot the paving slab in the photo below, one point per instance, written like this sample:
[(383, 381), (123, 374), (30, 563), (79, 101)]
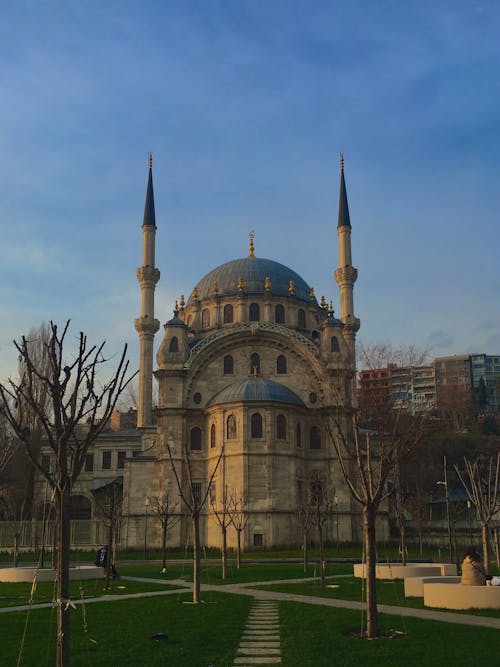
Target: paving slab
[(247, 660), (259, 644), (259, 651)]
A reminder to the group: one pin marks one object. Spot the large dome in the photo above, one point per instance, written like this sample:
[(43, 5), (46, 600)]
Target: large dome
[(256, 389), (253, 271)]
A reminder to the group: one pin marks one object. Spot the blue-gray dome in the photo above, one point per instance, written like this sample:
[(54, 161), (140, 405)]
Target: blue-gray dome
[(253, 271), (256, 389)]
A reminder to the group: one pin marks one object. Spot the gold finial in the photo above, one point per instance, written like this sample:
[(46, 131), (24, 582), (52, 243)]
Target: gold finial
[(176, 307), (323, 302), (342, 161), (251, 248), (255, 371), (182, 302), (150, 160), (311, 294), (267, 284), (330, 309), (291, 288), (241, 284), (215, 288), (195, 294)]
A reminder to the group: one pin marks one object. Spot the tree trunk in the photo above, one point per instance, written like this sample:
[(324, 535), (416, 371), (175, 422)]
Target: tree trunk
[(496, 545), (238, 548), (109, 555), (372, 626), (196, 557), (16, 548), (402, 542), (62, 567), (321, 554), (224, 551), (164, 545), (486, 552), (304, 550)]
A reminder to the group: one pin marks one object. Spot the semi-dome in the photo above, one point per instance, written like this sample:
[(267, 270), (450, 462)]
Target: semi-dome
[(253, 271), (256, 389)]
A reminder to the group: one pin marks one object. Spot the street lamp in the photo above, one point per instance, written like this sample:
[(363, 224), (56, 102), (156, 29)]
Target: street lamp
[(146, 504), (448, 518)]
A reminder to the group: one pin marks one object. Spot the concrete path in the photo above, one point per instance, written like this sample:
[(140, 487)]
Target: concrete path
[(247, 589)]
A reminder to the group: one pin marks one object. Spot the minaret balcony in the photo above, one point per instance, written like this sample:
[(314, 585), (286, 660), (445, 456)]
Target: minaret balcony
[(146, 325), (148, 274), (346, 275)]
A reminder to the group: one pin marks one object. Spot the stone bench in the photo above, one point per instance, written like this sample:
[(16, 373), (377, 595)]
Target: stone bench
[(400, 571), (458, 596), (414, 586), (18, 574)]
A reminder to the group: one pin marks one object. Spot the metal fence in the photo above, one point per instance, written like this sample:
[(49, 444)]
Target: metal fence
[(85, 534)]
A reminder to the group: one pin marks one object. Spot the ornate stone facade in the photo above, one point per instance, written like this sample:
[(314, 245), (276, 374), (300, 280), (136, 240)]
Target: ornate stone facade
[(247, 370)]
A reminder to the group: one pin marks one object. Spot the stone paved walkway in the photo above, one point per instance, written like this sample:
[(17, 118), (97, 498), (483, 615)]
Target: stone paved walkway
[(260, 643)]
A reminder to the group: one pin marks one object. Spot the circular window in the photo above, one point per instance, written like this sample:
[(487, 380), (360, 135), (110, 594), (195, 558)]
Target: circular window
[(313, 397), (197, 398)]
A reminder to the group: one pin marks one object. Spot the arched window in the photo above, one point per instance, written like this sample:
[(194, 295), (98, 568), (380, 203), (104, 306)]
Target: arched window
[(334, 344), (174, 344), (254, 364), (205, 318), (314, 438), (196, 438), (228, 314), (231, 427), (254, 312), (256, 425), (281, 427), (212, 436), (228, 365), (298, 435), (281, 364), (279, 314), (301, 317)]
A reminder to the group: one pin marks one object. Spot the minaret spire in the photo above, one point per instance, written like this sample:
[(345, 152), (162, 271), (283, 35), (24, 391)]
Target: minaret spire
[(346, 274), (146, 325)]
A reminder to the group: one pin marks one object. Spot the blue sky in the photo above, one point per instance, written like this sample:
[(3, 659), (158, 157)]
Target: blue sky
[(246, 106)]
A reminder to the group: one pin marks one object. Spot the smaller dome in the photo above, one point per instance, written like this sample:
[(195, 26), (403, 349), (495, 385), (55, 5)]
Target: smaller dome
[(256, 389)]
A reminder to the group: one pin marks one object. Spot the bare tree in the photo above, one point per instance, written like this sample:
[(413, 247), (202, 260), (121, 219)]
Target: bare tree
[(109, 501), (194, 498), (222, 514), (74, 415), (368, 457), (6, 443), (305, 519), (166, 511), (481, 480), (239, 512), (321, 502)]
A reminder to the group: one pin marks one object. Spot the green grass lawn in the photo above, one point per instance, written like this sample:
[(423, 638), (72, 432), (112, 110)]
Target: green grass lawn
[(13, 595), (212, 574), (198, 635), (315, 637), (201, 635)]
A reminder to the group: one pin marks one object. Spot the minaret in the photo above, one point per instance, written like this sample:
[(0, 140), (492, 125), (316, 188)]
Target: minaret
[(346, 274), (146, 325)]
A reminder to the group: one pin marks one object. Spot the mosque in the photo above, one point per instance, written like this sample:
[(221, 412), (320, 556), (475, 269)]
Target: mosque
[(247, 368)]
